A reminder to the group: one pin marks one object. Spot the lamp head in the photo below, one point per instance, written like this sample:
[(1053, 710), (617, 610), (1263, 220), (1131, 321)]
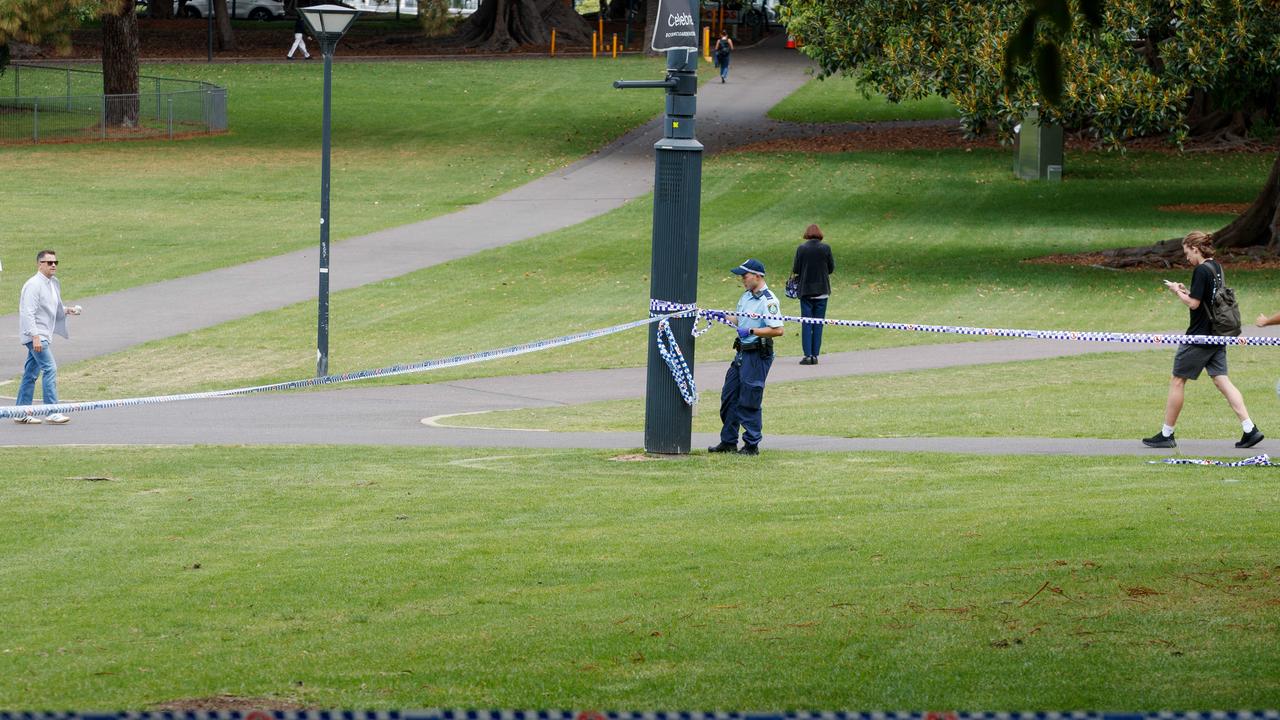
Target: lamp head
[(328, 23)]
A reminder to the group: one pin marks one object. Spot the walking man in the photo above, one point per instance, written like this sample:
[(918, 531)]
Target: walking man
[(743, 392), (40, 315), (299, 38), (1191, 359)]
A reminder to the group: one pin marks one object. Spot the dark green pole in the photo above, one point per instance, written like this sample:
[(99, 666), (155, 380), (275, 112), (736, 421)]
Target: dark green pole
[(322, 320), (677, 193)]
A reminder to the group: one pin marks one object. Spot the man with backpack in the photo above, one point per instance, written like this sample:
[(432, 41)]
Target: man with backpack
[(1207, 282)]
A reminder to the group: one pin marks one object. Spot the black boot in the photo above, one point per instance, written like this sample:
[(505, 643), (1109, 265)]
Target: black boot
[(723, 447)]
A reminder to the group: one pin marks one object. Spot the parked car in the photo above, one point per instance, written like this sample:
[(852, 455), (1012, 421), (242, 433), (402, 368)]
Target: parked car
[(251, 9)]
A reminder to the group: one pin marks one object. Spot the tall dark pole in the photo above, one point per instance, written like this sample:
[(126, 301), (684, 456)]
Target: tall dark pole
[(677, 191), (209, 23), (327, 23), (322, 321)]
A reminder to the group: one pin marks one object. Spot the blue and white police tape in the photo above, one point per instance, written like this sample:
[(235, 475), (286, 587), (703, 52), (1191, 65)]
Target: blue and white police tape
[(670, 351), (1255, 461), (1084, 335), (268, 714), (14, 411)]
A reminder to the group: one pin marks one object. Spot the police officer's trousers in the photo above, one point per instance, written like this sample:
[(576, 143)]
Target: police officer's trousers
[(742, 396)]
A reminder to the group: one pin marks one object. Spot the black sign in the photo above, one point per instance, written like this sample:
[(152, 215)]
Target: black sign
[(677, 25)]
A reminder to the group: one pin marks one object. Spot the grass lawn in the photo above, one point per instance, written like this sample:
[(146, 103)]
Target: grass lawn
[(840, 99), (506, 578), (1114, 395), (411, 140), (931, 237)]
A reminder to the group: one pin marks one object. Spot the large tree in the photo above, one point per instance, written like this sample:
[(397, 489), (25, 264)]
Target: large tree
[(1137, 67), (502, 25), (51, 21)]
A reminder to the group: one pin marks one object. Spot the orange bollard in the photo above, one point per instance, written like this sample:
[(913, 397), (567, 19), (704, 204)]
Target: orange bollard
[(615, 45), (706, 43), (553, 42), (593, 44), (600, 22)]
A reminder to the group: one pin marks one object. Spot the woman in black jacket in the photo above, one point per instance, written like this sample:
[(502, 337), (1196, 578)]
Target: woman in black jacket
[(812, 267)]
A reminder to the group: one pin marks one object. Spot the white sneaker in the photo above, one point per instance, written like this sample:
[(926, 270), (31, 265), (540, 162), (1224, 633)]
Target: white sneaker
[(28, 420), (58, 419)]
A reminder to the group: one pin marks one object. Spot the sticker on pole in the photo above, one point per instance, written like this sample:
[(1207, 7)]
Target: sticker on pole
[(676, 28)]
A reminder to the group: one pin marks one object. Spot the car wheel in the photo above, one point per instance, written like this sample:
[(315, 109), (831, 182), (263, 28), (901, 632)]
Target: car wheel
[(260, 14)]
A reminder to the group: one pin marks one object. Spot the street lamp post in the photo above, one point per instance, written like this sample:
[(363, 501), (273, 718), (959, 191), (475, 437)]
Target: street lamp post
[(327, 23)]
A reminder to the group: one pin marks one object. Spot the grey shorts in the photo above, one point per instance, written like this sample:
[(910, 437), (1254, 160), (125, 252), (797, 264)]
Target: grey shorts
[(1191, 359)]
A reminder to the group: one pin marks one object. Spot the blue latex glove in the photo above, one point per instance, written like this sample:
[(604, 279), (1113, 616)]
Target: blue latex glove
[(744, 333)]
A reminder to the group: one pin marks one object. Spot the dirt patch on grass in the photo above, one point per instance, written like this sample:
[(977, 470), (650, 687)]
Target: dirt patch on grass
[(230, 702), (1247, 259)]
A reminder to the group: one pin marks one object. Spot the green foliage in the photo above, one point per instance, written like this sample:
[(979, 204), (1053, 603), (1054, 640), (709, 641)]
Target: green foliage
[(434, 17), (37, 21), (1136, 73)]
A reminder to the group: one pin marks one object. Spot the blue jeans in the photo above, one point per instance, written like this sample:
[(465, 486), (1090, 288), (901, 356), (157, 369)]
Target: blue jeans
[(42, 364), (724, 67), (811, 334)]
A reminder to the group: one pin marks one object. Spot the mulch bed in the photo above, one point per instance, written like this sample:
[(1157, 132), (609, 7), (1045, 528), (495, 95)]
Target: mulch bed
[(228, 702)]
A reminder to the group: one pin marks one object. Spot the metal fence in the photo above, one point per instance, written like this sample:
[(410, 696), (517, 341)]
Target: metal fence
[(39, 103)]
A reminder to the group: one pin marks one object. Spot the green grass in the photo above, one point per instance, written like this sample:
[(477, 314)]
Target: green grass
[(932, 237), (841, 99), (410, 141), (396, 577), (1115, 395)]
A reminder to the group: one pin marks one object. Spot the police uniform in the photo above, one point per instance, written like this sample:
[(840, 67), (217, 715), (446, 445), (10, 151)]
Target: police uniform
[(743, 392)]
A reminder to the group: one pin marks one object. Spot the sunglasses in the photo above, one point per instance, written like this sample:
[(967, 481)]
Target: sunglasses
[(49, 262)]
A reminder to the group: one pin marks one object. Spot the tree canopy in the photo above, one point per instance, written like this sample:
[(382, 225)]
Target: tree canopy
[(1136, 67)]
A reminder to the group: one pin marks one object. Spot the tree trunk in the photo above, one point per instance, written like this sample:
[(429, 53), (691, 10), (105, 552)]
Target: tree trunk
[(222, 18), (120, 66), (650, 19), (504, 25), (1256, 230)]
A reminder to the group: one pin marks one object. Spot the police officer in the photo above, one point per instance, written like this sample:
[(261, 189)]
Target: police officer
[(743, 391)]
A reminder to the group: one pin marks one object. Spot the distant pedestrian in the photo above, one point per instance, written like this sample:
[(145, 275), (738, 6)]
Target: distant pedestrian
[(299, 38), (40, 315), (743, 392), (724, 48), (1190, 360), (812, 267)]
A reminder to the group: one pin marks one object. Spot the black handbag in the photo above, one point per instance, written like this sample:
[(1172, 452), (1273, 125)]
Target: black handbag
[(792, 289)]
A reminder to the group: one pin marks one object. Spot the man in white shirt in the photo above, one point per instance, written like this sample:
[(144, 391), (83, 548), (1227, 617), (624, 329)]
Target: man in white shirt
[(40, 315)]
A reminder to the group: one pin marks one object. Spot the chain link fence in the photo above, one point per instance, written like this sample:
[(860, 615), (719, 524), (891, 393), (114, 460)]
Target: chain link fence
[(40, 103)]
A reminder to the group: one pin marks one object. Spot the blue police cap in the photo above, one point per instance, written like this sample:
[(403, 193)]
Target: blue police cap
[(750, 266)]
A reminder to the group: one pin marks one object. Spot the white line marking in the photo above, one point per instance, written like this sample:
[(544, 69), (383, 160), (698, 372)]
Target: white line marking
[(434, 421)]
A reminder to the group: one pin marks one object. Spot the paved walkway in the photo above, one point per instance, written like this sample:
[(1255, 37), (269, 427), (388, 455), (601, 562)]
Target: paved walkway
[(728, 114)]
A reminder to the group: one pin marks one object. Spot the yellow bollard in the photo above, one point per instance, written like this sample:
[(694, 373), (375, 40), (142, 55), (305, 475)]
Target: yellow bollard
[(615, 45), (593, 44), (600, 22), (553, 42), (706, 43)]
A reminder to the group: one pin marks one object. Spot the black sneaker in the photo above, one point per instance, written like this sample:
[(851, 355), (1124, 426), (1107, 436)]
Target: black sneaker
[(749, 450), (723, 447), (807, 360), (1160, 440), (1251, 438)]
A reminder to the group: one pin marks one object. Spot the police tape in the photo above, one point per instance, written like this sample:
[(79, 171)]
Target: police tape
[(631, 715), (15, 411), (669, 351), (663, 306), (1262, 460)]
